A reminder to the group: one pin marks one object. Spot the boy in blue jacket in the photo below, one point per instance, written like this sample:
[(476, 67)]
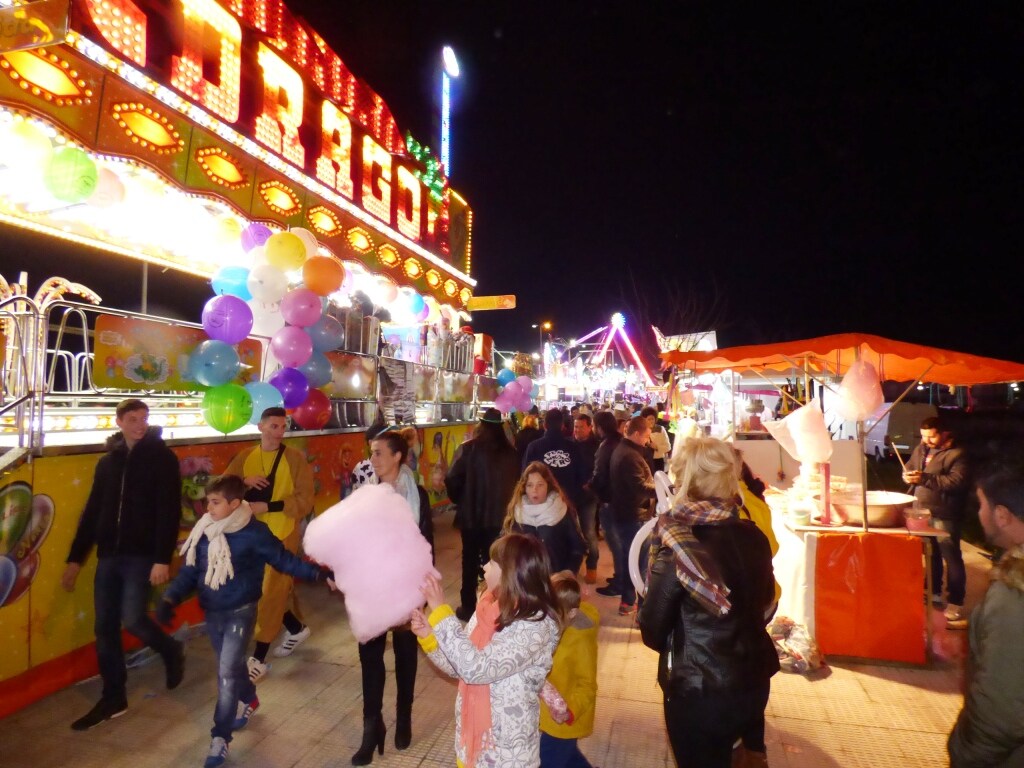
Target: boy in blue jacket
[(225, 555)]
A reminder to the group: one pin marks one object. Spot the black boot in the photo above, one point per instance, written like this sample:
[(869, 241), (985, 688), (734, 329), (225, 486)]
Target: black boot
[(373, 736), (403, 730)]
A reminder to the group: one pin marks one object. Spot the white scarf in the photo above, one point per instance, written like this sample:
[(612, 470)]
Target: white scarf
[(218, 555), (406, 486), (548, 512)]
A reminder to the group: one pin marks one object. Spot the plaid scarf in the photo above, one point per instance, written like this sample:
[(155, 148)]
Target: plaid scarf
[(696, 571)]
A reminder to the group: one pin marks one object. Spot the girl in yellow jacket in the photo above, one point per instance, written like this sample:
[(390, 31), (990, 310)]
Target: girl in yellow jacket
[(574, 674)]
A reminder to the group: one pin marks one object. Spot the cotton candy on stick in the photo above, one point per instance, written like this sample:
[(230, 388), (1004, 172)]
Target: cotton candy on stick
[(378, 556), (860, 394)]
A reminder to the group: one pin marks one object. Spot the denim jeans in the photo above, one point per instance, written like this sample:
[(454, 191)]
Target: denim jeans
[(608, 526), (625, 532), (561, 753), (121, 597), (230, 632), (948, 551), (588, 522)]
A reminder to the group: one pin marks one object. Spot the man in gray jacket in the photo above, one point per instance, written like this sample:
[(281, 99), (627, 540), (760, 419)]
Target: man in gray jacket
[(990, 730)]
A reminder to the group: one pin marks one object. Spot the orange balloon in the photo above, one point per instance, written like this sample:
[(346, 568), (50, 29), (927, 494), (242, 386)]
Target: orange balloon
[(323, 275)]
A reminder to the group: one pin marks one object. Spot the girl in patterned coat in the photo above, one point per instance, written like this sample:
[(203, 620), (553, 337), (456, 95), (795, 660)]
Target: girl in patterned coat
[(502, 656)]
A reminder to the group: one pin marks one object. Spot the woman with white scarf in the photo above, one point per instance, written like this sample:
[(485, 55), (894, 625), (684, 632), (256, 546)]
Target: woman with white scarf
[(540, 508)]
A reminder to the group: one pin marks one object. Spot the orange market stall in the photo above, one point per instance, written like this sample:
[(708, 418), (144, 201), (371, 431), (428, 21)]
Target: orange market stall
[(857, 588)]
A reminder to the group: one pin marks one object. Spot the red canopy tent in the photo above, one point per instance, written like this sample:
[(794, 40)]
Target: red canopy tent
[(894, 360)]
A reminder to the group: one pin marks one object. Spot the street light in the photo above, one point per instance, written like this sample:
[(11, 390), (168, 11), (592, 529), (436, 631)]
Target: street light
[(449, 70)]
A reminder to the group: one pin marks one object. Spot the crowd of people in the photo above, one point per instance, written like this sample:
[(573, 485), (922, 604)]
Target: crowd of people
[(522, 643)]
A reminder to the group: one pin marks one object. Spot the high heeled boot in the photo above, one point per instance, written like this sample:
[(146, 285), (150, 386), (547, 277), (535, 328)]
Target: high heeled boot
[(403, 729), (374, 732)]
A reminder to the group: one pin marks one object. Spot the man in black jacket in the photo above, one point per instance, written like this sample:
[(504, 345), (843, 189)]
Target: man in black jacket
[(562, 456), (937, 473), (588, 442), (480, 482), (131, 517), (632, 492)]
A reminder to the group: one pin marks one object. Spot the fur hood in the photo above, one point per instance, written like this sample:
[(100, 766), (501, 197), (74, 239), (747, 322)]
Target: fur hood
[(1010, 568)]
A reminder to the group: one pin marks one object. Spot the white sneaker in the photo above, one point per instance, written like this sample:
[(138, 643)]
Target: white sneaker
[(291, 642), (954, 612), (257, 669)]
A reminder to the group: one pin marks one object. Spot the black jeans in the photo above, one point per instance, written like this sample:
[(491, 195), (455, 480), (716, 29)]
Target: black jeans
[(476, 551), (702, 727), (121, 596), (948, 551), (371, 663)]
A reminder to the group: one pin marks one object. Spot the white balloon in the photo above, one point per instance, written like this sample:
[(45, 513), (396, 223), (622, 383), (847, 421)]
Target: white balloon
[(267, 283), (266, 318), (308, 239)]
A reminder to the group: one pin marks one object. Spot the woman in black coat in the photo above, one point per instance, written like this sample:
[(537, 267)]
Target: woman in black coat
[(709, 594)]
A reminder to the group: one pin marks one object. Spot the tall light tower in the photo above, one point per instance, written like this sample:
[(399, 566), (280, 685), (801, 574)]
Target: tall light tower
[(449, 70)]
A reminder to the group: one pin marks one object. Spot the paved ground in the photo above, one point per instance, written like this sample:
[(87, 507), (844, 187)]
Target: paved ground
[(846, 714)]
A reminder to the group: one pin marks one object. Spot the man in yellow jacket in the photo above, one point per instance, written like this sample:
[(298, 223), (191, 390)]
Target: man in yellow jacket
[(279, 489)]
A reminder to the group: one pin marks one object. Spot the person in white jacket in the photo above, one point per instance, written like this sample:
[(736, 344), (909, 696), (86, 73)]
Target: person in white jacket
[(659, 438), (501, 657)]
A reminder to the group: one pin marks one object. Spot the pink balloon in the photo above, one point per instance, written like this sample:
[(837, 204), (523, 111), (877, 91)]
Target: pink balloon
[(291, 346), (301, 307), (514, 390), (525, 382)]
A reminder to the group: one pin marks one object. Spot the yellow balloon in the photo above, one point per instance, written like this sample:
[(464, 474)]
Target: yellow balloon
[(285, 251), (26, 147), (229, 230)]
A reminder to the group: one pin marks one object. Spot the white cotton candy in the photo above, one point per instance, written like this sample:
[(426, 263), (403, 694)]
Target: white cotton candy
[(860, 393), (378, 556), (803, 434)]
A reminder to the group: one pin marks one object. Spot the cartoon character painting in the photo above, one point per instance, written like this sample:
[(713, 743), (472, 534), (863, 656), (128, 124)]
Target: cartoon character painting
[(195, 474)]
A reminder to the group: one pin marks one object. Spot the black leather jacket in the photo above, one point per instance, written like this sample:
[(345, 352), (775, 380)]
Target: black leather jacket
[(480, 482), (701, 652)]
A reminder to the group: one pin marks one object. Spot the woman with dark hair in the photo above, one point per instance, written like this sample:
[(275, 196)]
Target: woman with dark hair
[(480, 482), (388, 452), (709, 597)]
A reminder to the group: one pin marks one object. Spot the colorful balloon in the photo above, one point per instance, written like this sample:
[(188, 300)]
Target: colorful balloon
[(15, 514), (227, 318), (213, 363), (526, 383), (314, 412), (267, 283), (227, 407), (26, 148), (263, 396), (323, 275), (8, 575), (291, 346), (292, 385), (308, 239), (232, 281), (317, 370), (71, 175), (301, 307), (327, 334), (26, 573), (506, 376), (228, 231), (36, 530), (255, 234), (109, 189), (266, 318), (285, 251)]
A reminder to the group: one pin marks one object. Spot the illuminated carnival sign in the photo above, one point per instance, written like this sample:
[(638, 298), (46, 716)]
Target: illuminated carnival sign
[(241, 99)]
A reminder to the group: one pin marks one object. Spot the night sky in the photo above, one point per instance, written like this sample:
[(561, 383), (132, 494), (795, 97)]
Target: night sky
[(771, 174)]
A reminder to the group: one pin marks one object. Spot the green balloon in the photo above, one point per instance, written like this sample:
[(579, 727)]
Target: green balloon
[(227, 407), (71, 175)]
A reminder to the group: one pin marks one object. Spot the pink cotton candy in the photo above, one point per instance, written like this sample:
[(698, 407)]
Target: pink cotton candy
[(378, 556)]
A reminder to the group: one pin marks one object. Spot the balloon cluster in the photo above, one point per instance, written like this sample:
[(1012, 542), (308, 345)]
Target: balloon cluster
[(260, 300), (24, 522), (516, 393)]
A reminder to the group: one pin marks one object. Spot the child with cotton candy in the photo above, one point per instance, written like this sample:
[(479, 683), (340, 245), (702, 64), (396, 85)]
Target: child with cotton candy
[(225, 556)]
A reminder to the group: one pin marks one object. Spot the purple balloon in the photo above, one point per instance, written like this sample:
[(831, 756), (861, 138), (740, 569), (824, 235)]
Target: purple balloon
[(301, 307), (227, 318), (292, 385), (524, 403), (291, 346), (255, 234)]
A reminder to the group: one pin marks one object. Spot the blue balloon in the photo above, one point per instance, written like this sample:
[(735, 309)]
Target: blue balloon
[(416, 304), (232, 281), (535, 391), (327, 334), (506, 376), (213, 363), (317, 370), (263, 396)]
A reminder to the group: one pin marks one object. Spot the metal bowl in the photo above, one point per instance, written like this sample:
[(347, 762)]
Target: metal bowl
[(885, 508)]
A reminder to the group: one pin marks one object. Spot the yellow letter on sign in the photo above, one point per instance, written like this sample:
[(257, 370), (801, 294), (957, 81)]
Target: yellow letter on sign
[(334, 166), (409, 203), (376, 180), (278, 125), (202, 17)]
